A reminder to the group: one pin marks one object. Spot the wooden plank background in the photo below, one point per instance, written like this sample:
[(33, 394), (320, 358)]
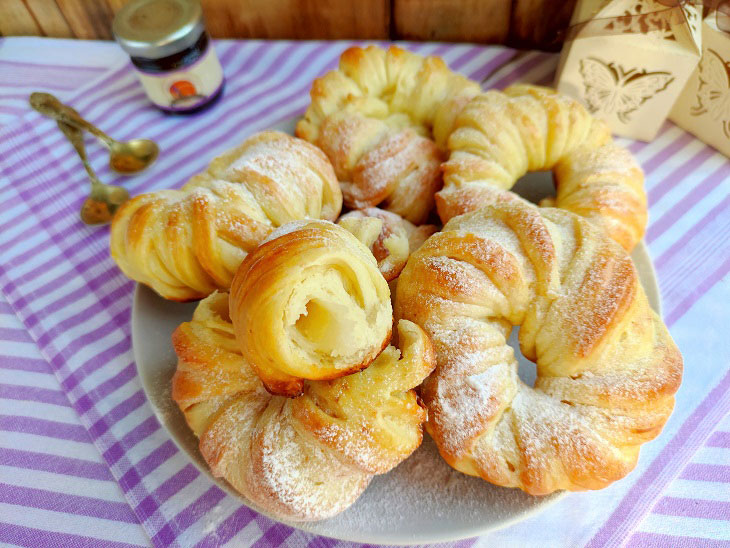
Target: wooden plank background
[(522, 23)]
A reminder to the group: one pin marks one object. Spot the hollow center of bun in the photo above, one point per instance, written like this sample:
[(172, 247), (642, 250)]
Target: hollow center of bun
[(535, 185), (319, 324), (327, 321), (526, 369)]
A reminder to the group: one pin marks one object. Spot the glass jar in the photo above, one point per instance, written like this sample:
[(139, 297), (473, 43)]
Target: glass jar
[(171, 52)]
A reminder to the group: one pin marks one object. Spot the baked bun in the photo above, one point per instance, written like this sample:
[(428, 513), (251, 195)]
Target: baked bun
[(383, 118), (390, 238), (303, 458), (310, 303), (186, 243), (607, 368), (501, 135)]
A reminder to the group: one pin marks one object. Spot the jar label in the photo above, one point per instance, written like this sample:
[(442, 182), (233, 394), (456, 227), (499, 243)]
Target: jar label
[(186, 88)]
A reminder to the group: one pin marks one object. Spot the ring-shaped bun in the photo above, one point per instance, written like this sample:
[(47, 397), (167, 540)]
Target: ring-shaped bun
[(303, 458), (383, 117), (501, 135), (607, 368)]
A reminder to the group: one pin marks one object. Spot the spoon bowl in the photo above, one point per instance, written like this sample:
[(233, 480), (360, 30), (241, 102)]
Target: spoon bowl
[(128, 157), (102, 203)]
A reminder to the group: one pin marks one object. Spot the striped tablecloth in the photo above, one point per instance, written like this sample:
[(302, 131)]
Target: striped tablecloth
[(83, 460)]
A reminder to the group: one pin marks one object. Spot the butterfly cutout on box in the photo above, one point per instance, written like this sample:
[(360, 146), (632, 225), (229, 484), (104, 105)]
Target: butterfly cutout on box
[(611, 89), (713, 91)]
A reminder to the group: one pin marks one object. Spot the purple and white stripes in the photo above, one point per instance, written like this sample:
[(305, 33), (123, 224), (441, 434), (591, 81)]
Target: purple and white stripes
[(51, 476), (698, 499), (74, 307)]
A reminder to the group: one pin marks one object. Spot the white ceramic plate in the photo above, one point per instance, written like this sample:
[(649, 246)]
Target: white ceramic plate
[(421, 501)]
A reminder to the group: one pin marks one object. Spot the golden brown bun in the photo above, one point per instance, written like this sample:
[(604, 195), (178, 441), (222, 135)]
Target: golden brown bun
[(377, 117), (607, 368), (500, 136), (390, 238), (186, 243), (310, 303), (305, 458)]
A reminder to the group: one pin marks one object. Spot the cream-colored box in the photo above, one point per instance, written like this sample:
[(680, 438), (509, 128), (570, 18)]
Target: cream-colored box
[(703, 108), (628, 61)]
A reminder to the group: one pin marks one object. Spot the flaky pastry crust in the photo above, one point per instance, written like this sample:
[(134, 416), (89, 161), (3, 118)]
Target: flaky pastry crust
[(303, 458), (607, 368), (186, 243), (390, 238), (310, 303), (383, 118), (501, 135)]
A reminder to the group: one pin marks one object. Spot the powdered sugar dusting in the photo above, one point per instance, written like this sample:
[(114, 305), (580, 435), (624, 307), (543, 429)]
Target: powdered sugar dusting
[(442, 496), (379, 137), (584, 324), (308, 482), (187, 243), (462, 277), (287, 228)]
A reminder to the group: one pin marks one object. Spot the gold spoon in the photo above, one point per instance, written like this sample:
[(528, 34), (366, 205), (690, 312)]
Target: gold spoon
[(126, 158), (104, 199)]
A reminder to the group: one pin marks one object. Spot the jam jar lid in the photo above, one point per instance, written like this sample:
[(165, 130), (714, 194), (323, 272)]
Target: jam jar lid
[(158, 28)]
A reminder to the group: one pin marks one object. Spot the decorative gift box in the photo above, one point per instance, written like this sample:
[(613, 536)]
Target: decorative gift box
[(628, 60), (703, 108)]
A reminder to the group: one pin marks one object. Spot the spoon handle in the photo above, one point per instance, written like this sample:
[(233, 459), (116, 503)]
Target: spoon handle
[(48, 105), (99, 207), (76, 138)]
